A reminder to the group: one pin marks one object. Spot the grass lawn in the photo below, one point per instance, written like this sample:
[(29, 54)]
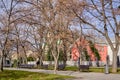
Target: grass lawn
[(23, 75)]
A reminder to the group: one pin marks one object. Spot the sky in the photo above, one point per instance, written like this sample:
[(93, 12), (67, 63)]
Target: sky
[(116, 3)]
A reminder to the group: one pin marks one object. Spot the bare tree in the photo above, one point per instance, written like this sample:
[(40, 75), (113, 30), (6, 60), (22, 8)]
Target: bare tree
[(106, 21), (54, 18), (7, 11), (10, 15)]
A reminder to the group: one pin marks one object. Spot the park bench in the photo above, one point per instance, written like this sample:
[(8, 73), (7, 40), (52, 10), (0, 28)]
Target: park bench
[(26, 66), (61, 67), (45, 66), (7, 65), (84, 68)]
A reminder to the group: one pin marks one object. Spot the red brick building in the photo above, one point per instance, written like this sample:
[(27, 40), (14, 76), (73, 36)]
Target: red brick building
[(83, 43)]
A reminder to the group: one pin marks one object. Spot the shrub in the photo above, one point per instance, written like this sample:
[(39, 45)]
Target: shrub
[(30, 59)]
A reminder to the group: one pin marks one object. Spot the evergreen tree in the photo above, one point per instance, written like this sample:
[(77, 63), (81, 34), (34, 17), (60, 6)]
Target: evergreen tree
[(94, 50)]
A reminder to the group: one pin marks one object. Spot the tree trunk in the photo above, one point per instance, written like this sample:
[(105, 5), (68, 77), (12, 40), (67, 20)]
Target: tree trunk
[(65, 54), (56, 65), (18, 61), (25, 62), (114, 64), (18, 57), (78, 63), (64, 59), (55, 61), (1, 64), (41, 62), (64, 63)]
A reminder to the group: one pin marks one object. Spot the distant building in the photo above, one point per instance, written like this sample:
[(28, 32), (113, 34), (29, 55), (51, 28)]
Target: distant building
[(103, 48), (83, 43)]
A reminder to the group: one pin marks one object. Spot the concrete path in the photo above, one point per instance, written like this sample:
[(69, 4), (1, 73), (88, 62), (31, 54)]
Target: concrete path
[(78, 75)]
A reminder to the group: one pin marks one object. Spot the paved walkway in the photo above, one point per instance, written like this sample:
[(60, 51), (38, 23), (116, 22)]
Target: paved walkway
[(78, 75)]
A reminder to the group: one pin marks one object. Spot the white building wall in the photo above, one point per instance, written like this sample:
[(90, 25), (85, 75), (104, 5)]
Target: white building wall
[(110, 53)]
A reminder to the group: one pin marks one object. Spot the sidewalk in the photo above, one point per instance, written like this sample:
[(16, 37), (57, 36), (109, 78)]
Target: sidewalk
[(78, 75)]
